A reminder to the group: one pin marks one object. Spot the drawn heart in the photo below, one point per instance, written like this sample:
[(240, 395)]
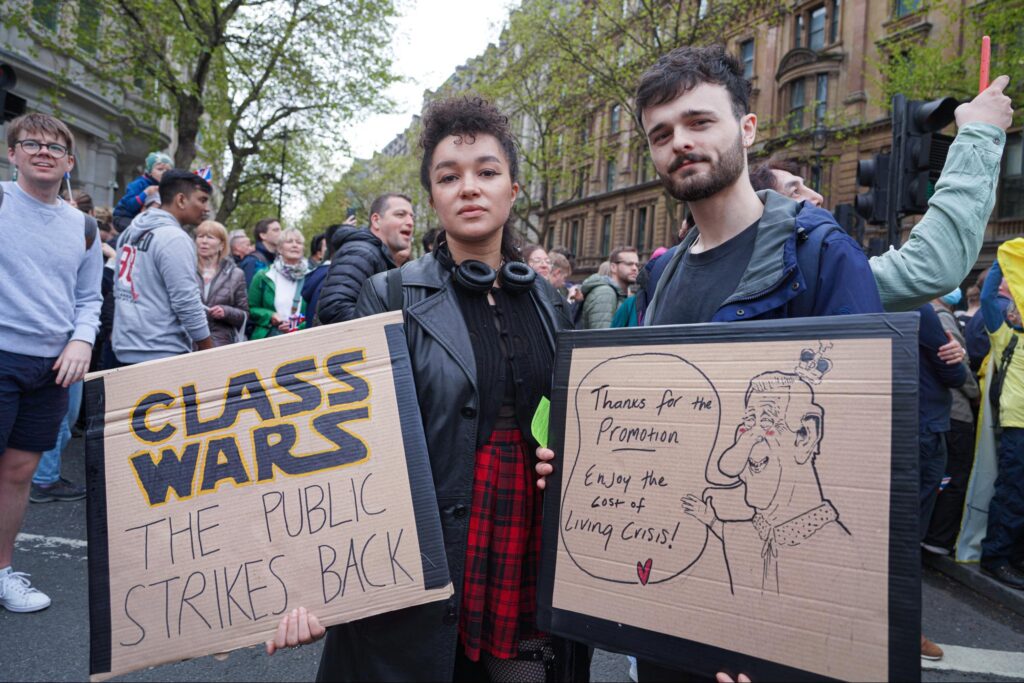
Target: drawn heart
[(644, 571)]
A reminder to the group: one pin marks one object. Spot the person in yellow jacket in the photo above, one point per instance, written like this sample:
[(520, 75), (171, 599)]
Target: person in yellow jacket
[(1002, 551)]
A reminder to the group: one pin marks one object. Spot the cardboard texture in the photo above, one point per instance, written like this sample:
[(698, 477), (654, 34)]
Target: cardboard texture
[(229, 486), (739, 497)]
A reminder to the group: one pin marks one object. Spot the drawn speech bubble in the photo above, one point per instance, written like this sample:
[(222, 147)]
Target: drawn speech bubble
[(645, 425)]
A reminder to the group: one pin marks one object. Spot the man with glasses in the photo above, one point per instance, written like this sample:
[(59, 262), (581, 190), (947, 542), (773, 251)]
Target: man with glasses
[(50, 298), (603, 295)]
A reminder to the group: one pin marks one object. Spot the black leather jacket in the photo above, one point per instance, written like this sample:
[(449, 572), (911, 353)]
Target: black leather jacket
[(420, 643), (358, 254)]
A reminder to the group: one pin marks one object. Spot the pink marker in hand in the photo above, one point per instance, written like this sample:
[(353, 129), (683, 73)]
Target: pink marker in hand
[(986, 58)]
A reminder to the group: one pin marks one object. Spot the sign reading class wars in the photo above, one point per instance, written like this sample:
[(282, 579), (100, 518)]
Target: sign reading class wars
[(230, 486), (739, 498)]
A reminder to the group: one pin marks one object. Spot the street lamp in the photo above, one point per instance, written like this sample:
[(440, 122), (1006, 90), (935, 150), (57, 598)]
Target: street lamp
[(280, 181), (819, 139)]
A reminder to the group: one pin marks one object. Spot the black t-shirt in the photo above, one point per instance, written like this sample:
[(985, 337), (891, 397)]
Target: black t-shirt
[(702, 282)]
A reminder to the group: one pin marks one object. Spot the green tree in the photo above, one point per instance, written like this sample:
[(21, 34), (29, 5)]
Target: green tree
[(365, 180), (238, 78), (948, 64)]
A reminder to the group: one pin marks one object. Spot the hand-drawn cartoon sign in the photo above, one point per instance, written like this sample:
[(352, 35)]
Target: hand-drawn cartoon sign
[(738, 497), (229, 486), (621, 498)]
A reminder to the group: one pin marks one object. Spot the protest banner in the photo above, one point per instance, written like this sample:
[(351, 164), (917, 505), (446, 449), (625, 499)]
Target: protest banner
[(231, 485), (739, 497)]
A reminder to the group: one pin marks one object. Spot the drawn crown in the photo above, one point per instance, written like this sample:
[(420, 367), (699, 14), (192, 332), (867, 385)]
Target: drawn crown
[(814, 365)]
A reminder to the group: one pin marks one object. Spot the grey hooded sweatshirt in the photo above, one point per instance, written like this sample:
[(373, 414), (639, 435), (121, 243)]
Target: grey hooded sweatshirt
[(158, 310)]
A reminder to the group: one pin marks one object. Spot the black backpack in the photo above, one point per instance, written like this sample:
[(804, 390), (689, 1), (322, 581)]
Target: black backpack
[(90, 227), (995, 389)]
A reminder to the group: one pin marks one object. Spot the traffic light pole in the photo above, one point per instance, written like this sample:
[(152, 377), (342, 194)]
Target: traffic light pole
[(895, 190)]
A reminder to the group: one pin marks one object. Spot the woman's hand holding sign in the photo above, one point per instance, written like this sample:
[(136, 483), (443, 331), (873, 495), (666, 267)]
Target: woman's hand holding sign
[(544, 468), (296, 628)]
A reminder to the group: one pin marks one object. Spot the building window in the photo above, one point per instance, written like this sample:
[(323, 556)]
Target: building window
[(574, 236), (645, 164), (816, 29), (795, 121), (747, 58), (907, 7), (606, 234), (88, 25), (615, 118), (820, 98), (46, 12), (609, 175), (1011, 180), (641, 230), (833, 21), (554, 192)]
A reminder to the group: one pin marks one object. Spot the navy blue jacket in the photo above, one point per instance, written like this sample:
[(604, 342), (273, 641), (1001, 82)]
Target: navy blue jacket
[(311, 289), (772, 282), (134, 197), (253, 263), (936, 377)]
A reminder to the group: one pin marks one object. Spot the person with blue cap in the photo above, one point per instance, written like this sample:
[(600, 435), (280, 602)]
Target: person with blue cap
[(139, 189), (945, 520)]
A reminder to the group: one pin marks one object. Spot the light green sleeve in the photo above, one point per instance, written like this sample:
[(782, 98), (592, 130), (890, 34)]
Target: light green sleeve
[(945, 244)]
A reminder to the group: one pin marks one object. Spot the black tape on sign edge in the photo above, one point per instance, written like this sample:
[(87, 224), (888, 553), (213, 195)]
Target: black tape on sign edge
[(904, 577), (96, 525), (904, 505), (417, 460)]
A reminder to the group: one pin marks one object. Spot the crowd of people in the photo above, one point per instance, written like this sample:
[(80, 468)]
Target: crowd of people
[(155, 278)]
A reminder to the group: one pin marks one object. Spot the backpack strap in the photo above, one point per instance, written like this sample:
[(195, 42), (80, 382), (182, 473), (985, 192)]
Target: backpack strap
[(394, 284), (809, 244), (91, 228)]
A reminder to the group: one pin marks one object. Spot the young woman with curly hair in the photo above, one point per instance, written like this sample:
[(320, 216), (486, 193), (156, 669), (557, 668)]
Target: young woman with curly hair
[(481, 329)]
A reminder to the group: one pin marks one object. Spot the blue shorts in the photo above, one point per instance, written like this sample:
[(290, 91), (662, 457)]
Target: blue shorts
[(32, 404)]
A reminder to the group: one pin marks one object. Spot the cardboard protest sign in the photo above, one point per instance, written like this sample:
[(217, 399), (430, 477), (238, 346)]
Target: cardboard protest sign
[(229, 486), (739, 497)]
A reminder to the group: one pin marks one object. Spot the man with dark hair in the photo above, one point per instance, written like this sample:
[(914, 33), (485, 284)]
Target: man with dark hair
[(602, 295), (360, 253), (266, 233), (693, 106), (315, 280), (158, 310), (784, 177), (50, 297), (317, 250)]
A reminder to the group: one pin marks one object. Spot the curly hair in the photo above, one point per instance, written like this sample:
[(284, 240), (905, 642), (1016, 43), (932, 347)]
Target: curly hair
[(465, 118)]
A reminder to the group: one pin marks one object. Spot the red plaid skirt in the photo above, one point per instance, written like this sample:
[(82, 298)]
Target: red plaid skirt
[(499, 591)]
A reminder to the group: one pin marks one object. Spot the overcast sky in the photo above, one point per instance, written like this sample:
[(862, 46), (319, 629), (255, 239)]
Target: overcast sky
[(432, 37)]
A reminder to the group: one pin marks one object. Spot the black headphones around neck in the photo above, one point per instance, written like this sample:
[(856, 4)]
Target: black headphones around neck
[(478, 277)]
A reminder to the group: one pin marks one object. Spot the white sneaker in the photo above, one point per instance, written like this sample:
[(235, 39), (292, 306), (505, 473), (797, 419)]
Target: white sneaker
[(18, 595)]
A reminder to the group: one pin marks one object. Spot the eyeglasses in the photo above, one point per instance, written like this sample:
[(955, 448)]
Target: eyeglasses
[(538, 260), (34, 147)]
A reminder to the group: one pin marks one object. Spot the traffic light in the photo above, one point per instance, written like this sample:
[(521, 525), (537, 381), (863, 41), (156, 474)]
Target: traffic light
[(874, 173), (919, 150), (12, 104)]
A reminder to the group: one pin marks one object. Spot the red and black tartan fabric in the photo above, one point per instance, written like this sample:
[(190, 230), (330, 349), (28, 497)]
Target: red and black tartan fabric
[(499, 591)]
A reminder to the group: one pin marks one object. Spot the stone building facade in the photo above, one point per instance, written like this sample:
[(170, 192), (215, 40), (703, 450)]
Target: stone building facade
[(111, 140), (811, 70)]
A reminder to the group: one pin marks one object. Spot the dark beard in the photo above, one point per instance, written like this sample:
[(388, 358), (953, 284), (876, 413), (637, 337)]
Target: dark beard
[(722, 175)]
